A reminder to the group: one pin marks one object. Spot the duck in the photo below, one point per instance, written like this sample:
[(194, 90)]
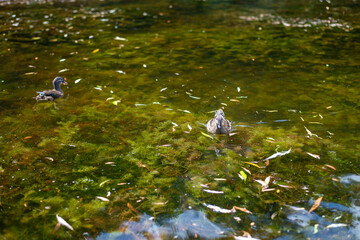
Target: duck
[(53, 94), (219, 124)]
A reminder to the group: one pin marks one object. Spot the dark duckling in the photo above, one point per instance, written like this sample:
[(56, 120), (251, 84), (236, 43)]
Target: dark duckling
[(219, 124), (50, 95)]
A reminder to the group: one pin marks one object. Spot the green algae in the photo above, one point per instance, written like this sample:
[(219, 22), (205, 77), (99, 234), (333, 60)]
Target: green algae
[(56, 158)]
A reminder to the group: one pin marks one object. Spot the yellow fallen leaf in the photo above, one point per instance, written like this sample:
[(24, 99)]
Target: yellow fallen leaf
[(207, 135), (95, 51), (316, 204), (253, 164)]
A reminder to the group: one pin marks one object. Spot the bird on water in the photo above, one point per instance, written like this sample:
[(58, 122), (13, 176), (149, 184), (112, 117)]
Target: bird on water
[(219, 124), (52, 94)]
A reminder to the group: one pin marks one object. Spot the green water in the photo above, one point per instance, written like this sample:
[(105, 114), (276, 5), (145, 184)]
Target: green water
[(143, 79)]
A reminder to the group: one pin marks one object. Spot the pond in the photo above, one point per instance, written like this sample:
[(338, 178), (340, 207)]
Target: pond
[(125, 153)]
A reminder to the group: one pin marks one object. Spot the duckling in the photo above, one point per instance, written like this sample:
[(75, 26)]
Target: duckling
[(219, 124), (53, 94)]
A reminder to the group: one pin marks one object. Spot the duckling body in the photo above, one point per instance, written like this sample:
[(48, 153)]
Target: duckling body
[(219, 124), (53, 94)]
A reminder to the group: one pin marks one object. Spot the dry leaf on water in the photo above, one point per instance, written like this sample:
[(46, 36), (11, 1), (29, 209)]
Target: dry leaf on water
[(313, 155), (242, 209), (316, 204)]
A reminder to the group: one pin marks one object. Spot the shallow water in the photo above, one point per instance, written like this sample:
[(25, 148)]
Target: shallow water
[(143, 80)]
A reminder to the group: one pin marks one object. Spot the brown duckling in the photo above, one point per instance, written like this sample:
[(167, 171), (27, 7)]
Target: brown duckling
[(53, 94), (219, 124)]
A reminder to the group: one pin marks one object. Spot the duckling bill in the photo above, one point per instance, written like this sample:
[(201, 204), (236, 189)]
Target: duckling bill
[(219, 124), (53, 94)]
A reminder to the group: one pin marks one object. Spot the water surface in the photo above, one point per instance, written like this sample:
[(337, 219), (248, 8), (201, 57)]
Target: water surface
[(144, 78)]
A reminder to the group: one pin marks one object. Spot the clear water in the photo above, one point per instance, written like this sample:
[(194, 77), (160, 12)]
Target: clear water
[(144, 78)]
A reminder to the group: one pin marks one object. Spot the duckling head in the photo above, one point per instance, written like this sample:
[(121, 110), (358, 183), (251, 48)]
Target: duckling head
[(58, 81)]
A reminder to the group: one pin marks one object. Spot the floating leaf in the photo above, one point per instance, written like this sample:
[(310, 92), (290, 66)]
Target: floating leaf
[(267, 189), (120, 39), (234, 100), (95, 51), (132, 208), (102, 199), (63, 222), (219, 209), (102, 183), (273, 216), (313, 155), (242, 209), (285, 186), (30, 73), (270, 111), (64, 70), (310, 133), (278, 154), (194, 97), (220, 179), (49, 158), (316, 228), (263, 184), (213, 191), (242, 175), (116, 102), (329, 166), (56, 228), (336, 225), (253, 164), (206, 135), (316, 204), (267, 180), (186, 111), (247, 170)]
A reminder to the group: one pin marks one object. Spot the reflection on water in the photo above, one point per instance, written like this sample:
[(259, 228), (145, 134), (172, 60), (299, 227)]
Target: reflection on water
[(189, 224), (326, 227)]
